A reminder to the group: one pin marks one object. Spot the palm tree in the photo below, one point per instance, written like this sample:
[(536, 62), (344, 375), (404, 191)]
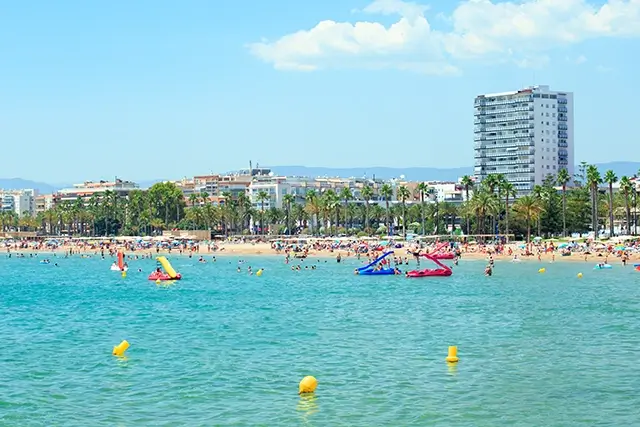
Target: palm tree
[(433, 194), (225, 212), (387, 193), (367, 195), (626, 188), (529, 208), (610, 178), (262, 197), (468, 183), (482, 204), (403, 194), (422, 189), (288, 200), (563, 178), (204, 196), (593, 180), (331, 204), (509, 190), (538, 194), (313, 208), (346, 195)]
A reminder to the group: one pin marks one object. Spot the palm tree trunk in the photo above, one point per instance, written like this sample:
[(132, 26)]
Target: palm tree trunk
[(387, 219), (506, 218), (404, 225), (611, 231), (467, 214), (564, 211), (366, 215), (594, 216), (424, 231), (628, 214), (595, 208)]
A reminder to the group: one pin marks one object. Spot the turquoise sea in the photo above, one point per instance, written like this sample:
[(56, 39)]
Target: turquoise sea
[(222, 348)]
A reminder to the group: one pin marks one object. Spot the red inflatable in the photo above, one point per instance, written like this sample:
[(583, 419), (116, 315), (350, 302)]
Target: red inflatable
[(443, 271), (428, 272), (163, 276), (443, 255)]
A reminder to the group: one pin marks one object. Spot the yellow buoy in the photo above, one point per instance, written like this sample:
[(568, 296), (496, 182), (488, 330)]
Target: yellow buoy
[(124, 274), (542, 270), (259, 273), (120, 348), (452, 356), (308, 385), (579, 275)]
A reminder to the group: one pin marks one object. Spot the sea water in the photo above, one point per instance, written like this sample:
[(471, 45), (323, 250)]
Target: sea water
[(228, 349)]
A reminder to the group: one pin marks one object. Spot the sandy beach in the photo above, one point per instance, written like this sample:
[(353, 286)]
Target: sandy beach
[(470, 252)]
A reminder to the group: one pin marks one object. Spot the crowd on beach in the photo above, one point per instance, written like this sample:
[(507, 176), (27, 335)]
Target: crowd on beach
[(627, 249)]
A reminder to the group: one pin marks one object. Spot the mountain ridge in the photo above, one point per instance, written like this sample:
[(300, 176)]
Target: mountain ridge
[(382, 172)]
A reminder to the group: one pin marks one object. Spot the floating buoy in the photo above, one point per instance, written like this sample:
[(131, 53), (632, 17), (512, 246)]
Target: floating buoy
[(579, 275), (542, 270), (308, 385), (452, 356), (259, 273), (120, 348)]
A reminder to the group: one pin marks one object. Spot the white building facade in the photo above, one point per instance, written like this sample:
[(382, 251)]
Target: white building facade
[(524, 135), (449, 192), (22, 202)]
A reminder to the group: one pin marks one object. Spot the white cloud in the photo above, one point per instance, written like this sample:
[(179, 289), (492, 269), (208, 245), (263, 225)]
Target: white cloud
[(603, 69), (581, 59), (517, 31)]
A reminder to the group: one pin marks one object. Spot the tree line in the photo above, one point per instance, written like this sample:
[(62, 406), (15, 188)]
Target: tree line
[(492, 207)]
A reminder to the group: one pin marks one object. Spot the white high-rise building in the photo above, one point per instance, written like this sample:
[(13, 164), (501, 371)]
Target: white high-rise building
[(524, 135), (22, 202)]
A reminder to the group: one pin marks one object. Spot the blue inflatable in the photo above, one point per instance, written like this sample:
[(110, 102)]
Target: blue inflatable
[(370, 269), (602, 267), (373, 272)]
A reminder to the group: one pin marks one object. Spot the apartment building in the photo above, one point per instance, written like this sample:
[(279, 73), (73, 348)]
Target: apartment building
[(524, 135)]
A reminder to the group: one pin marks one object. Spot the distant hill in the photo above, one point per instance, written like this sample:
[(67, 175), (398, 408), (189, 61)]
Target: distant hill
[(410, 174), (144, 185), (19, 183), (620, 168), (422, 174)]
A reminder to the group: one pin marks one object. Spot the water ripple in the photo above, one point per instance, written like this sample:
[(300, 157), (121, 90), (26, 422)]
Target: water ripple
[(228, 349)]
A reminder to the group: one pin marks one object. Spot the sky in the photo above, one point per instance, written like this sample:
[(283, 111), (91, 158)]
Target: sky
[(167, 89)]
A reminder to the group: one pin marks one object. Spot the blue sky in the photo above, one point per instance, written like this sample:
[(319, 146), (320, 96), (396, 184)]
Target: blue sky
[(151, 89)]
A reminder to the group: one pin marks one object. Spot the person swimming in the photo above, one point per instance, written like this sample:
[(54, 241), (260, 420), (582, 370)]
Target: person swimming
[(488, 271)]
